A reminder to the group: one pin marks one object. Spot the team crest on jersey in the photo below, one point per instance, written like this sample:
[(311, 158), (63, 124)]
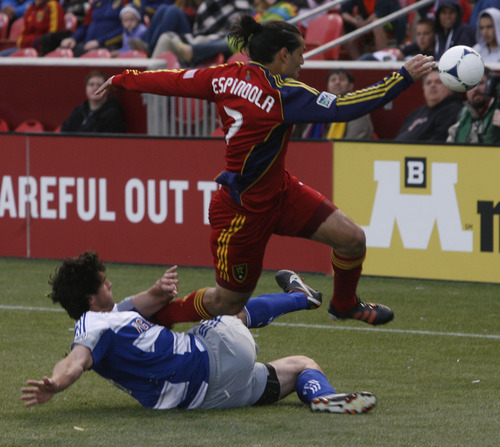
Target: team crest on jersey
[(325, 99), (240, 272)]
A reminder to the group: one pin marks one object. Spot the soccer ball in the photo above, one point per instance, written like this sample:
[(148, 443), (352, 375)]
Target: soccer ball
[(461, 68)]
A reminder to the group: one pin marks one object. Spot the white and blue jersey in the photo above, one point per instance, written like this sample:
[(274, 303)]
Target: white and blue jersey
[(160, 368)]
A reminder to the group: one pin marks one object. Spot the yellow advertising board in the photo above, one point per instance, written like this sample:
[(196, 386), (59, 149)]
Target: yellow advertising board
[(427, 211)]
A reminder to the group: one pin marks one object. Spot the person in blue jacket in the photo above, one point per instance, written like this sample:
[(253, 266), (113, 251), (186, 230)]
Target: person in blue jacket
[(102, 27)]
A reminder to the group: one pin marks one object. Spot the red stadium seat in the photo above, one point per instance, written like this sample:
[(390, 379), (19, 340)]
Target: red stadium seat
[(15, 28), (4, 127), (134, 54), (24, 52), (171, 60), (216, 60), (70, 21), (32, 125), (101, 53), (4, 25), (60, 52), (322, 30)]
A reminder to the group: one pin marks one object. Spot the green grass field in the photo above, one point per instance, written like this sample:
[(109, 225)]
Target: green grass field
[(435, 370)]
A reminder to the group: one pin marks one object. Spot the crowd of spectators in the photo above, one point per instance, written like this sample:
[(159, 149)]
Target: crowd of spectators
[(195, 30)]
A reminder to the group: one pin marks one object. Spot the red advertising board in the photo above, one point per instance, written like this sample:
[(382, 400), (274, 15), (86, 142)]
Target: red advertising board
[(132, 199)]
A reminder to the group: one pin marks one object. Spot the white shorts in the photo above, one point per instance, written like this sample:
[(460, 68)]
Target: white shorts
[(236, 378)]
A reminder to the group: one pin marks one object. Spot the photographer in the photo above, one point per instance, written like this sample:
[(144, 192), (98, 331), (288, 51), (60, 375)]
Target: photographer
[(479, 120)]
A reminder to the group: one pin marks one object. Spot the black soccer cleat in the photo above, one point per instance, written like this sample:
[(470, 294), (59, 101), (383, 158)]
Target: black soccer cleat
[(370, 313), (351, 403), (291, 282)]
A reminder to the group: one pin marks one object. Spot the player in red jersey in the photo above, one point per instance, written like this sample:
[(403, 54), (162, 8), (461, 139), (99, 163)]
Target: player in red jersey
[(258, 104)]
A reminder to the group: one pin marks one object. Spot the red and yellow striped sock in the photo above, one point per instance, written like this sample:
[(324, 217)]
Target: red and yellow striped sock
[(189, 308), (346, 274)]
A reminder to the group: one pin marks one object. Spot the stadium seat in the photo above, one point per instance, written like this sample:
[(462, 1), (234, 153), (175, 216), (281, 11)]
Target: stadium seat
[(134, 54), (32, 125), (15, 28), (238, 57), (218, 132), (60, 52), (4, 127), (4, 25), (25, 52), (101, 53), (217, 60), (171, 60), (322, 30), (70, 21)]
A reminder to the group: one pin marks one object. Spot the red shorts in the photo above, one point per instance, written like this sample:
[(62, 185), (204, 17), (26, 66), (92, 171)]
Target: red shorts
[(239, 238)]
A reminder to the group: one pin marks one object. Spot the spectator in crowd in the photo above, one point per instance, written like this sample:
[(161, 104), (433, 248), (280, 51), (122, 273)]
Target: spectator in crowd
[(214, 19), (479, 120), (95, 114), (359, 13), (14, 9), (78, 8), (431, 122), (450, 30), (40, 18), (266, 10), (132, 27), (102, 27), (339, 82), (424, 44), (479, 6), (488, 35), (167, 18)]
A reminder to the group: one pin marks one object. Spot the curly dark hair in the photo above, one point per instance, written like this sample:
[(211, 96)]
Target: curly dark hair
[(264, 40), (75, 281)]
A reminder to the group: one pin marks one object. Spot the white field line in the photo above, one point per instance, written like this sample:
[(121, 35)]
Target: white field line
[(333, 326)]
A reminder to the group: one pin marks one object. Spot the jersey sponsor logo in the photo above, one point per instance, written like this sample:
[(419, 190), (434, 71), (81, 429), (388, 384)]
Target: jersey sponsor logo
[(417, 214), (243, 89), (240, 272), (325, 99)]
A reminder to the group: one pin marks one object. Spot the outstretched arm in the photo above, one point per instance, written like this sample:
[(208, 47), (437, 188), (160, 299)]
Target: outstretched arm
[(161, 293), (65, 373)]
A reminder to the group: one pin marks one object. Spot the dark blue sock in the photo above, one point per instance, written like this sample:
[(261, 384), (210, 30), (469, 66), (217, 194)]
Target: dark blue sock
[(312, 383), (262, 310)]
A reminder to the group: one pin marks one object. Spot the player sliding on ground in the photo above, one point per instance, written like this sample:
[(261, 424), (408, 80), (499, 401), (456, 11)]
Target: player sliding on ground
[(214, 365), (258, 104)]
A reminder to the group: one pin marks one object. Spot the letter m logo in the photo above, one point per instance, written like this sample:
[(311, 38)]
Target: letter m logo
[(416, 214)]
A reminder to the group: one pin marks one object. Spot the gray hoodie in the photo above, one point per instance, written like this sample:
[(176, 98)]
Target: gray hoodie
[(481, 47)]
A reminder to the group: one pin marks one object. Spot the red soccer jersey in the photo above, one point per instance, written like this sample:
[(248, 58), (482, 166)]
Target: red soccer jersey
[(258, 111), (39, 19)]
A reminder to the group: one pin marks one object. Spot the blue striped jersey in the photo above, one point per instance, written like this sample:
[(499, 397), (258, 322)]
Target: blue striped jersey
[(158, 367)]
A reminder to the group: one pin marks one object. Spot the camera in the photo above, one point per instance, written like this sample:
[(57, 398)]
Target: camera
[(493, 86)]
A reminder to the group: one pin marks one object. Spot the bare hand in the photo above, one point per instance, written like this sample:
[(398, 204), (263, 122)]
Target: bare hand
[(40, 391), (169, 282), (104, 89), (419, 66), (69, 42)]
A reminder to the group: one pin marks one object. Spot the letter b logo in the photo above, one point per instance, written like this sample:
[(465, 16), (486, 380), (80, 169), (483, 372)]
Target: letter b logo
[(415, 172)]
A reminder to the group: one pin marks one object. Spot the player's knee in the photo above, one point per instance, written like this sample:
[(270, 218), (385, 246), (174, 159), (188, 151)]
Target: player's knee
[(355, 243)]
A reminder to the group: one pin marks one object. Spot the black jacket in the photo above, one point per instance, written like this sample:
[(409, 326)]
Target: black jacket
[(108, 118), (431, 123)]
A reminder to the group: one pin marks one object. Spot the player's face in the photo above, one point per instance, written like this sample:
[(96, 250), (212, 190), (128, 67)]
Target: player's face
[(103, 301), (487, 29), (476, 96), (295, 60), (338, 84), (424, 36), (447, 17), (434, 90)]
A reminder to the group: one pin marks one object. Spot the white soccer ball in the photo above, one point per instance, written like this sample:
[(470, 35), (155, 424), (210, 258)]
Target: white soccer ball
[(461, 68)]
